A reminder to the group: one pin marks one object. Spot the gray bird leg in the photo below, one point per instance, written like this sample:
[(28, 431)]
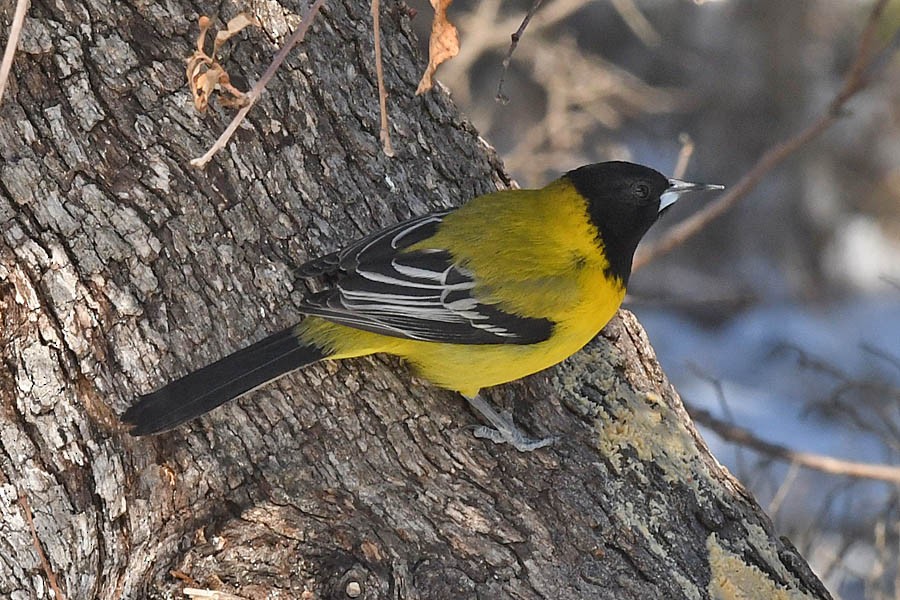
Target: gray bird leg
[(504, 429)]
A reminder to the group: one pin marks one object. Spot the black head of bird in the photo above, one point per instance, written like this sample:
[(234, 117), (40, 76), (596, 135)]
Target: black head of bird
[(624, 201)]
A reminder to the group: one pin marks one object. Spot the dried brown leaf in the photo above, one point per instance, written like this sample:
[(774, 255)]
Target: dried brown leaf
[(442, 45), (234, 26), (204, 73), (202, 77)]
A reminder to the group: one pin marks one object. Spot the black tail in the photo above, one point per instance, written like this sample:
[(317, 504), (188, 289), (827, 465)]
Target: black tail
[(201, 391)]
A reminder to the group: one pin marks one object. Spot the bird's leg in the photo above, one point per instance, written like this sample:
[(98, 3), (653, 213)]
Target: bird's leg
[(505, 430)]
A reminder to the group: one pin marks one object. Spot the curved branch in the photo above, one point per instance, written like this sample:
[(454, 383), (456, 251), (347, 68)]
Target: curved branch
[(818, 462), (854, 81)]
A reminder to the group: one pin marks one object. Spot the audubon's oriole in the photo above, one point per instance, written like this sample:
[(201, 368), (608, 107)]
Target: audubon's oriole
[(507, 285)]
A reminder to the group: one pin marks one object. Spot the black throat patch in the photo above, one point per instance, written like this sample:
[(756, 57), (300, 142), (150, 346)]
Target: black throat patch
[(620, 219)]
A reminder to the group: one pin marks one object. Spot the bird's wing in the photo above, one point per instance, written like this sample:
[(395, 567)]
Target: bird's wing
[(376, 245), (421, 294)]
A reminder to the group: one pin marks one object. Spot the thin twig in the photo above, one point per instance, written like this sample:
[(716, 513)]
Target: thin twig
[(783, 490), (501, 97), (45, 564), (210, 594), (726, 410), (257, 90), (15, 31), (637, 22), (486, 32), (684, 155), (809, 460), (809, 361), (385, 133), (854, 81), (881, 353)]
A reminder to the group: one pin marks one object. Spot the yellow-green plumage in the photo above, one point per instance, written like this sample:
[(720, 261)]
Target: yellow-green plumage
[(541, 256)]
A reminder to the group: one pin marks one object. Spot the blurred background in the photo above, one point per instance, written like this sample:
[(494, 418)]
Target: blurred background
[(782, 317)]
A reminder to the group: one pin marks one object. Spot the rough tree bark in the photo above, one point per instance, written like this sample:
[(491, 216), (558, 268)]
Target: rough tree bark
[(122, 268)]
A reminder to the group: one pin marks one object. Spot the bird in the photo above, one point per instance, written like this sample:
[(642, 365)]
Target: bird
[(509, 284)]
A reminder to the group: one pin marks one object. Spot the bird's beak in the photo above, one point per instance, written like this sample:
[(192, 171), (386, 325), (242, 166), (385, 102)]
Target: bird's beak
[(678, 187)]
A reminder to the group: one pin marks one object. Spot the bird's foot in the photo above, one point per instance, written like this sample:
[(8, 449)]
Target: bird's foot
[(504, 430)]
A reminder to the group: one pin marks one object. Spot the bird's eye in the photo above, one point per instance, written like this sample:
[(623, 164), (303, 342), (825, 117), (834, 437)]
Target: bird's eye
[(641, 190)]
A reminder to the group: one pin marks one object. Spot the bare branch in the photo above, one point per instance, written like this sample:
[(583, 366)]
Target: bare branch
[(881, 353), (637, 22), (742, 471), (501, 97), (45, 564), (783, 490), (385, 133), (257, 90), (808, 361), (15, 31), (684, 155), (809, 460), (854, 81), (197, 593)]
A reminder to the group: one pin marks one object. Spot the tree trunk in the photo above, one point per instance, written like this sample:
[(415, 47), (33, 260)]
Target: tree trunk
[(122, 268)]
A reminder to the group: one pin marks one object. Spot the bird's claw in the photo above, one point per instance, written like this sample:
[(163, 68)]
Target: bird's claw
[(515, 438), (504, 430)]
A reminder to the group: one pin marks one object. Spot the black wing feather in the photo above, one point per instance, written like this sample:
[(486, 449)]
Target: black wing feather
[(423, 294), (317, 267)]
